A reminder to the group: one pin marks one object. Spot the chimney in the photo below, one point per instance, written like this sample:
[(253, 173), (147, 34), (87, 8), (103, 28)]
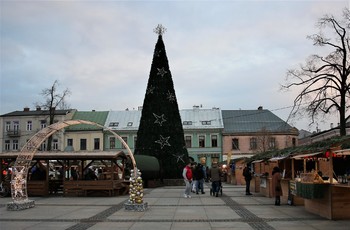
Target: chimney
[(260, 108), (331, 125), (26, 109), (38, 108)]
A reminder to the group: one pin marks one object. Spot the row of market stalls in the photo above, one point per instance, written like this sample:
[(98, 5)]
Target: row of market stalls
[(316, 176)]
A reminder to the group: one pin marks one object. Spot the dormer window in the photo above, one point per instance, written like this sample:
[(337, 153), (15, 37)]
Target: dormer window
[(113, 124), (206, 122), (187, 123), (130, 124)]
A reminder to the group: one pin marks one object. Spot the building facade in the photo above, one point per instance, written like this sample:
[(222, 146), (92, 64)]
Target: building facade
[(203, 134), (19, 126), (85, 137), (248, 132)]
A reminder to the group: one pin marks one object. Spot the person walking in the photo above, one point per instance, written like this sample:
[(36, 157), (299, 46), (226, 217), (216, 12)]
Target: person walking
[(187, 175), (248, 177), (214, 174), (276, 185)]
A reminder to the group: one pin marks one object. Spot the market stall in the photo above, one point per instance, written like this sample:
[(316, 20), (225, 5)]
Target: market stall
[(66, 172), (320, 185)]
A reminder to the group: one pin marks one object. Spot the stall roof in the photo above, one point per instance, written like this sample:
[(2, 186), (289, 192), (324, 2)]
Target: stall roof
[(342, 152), (69, 155), (278, 158), (302, 156), (257, 161), (320, 146)]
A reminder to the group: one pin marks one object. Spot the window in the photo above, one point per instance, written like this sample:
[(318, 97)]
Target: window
[(16, 126), (112, 142), (294, 142), (7, 145), (69, 142), (55, 144), (253, 143), (42, 146), (206, 122), (135, 139), (235, 144), (214, 140), (126, 141), (82, 144), (113, 124), (187, 123), (29, 125), (129, 124), (188, 141), (201, 141), (96, 143), (15, 145), (8, 126), (43, 124), (272, 143)]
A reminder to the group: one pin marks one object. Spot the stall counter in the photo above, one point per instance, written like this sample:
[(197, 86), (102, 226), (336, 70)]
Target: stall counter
[(334, 205)]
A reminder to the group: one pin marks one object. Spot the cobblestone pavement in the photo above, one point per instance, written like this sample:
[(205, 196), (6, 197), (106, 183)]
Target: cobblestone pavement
[(168, 210)]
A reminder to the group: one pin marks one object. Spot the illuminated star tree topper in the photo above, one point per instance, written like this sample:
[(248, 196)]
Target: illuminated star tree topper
[(160, 30)]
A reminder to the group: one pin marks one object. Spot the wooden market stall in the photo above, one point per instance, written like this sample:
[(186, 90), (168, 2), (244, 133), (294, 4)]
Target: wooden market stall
[(66, 172), (325, 192)]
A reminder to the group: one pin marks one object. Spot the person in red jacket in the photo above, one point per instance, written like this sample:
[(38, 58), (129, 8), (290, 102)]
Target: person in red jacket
[(187, 175)]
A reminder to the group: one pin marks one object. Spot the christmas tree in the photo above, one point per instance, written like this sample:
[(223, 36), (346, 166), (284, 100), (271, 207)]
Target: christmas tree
[(160, 132)]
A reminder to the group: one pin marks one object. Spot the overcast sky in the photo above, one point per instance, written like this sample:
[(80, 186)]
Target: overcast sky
[(226, 54)]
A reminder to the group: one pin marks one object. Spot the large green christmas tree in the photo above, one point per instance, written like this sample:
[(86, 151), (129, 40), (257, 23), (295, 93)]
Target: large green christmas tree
[(160, 132)]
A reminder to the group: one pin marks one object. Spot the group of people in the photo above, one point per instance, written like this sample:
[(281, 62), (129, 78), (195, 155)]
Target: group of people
[(194, 175)]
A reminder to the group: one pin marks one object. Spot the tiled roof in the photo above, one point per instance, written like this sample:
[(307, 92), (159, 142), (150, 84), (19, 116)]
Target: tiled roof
[(123, 120), (201, 118), (191, 119), (94, 116), (248, 121), (36, 113)]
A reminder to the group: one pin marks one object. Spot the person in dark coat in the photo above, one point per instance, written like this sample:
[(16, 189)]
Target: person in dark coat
[(276, 185), (248, 177), (199, 178), (214, 174)]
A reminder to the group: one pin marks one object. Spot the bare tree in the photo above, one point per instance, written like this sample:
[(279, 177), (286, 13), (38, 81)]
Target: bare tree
[(265, 141), (53, 100), (324, 79)]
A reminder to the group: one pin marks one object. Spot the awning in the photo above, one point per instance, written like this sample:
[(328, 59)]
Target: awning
[(234, 156), (257, 161), (278, 158), (302, 156)]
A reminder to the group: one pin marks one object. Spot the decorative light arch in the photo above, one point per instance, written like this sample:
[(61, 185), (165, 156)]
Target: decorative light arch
[(20, 169)]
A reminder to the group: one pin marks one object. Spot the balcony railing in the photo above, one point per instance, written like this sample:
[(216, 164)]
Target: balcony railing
[(13, 133)]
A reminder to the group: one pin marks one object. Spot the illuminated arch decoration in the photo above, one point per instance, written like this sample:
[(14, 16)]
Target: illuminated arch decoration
[(20, 169)]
